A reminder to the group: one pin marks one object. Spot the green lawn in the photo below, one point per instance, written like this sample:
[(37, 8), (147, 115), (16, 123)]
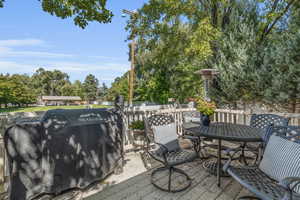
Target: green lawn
[(45, 108)]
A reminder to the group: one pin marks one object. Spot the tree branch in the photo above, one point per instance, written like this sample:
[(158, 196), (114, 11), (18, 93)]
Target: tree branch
[(268, 28)]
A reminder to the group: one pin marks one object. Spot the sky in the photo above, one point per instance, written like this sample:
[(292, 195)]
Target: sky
[(31, 38)]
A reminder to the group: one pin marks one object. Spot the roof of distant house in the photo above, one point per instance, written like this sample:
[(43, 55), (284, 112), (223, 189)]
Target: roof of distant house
[(61, 98)]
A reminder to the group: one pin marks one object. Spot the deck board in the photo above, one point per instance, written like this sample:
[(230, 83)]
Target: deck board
[(204, 187)]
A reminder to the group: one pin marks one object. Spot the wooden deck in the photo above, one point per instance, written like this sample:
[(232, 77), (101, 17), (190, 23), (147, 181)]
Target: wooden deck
[(204, 187)]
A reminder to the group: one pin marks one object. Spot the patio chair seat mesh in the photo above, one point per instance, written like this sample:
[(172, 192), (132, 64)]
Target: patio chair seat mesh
[(176, 157), (259, 182)]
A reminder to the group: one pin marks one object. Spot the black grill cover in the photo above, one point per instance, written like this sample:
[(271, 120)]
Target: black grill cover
[(65, 149)]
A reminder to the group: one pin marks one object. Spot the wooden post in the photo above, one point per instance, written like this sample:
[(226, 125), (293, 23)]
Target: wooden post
[(131, 83)]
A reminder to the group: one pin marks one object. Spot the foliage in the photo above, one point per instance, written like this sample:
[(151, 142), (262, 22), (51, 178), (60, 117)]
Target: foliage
[(236, 64), (137, 125), (83, 11), (257, 68), (49, 82), (120, 86), (176, 38), (281, 69), (15, 89), (205, 107), (173, 43), (22, 90), (78, 89), (90, 87)]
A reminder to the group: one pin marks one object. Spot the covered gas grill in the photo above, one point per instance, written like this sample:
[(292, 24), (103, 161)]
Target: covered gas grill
[(65, 149)]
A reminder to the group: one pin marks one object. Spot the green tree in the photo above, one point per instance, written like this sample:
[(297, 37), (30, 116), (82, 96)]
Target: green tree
[(173, 43), (49, 82), (83, 11), (90, 87), (15, 90), (120, 86), (5, 90), (281, 71), (103, 91), (78, 89), (21, 90), (176, 38), (259, 64)]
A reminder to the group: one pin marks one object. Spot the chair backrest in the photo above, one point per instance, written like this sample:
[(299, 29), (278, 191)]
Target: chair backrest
[(162, 129), (282, 155), (193, 116), (264, 121)]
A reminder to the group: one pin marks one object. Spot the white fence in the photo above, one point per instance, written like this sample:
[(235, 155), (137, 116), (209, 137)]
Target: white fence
[(221, 115)]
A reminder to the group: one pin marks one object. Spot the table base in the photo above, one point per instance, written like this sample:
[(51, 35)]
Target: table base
[(211, 165)]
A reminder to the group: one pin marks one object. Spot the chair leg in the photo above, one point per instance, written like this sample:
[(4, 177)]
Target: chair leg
[(171, 171), (170, 176)]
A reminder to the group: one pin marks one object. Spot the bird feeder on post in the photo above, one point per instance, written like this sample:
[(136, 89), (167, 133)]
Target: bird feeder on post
[(207, 76)]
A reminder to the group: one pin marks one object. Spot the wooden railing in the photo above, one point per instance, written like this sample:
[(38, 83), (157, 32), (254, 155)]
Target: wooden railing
[(221, 115), (132, 114), (243, 117), (141, 113)]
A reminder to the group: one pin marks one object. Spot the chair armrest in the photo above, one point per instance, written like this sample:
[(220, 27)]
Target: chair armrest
[(190, 137), (231, 153), (164, 147), (289, 183), (164, 151)]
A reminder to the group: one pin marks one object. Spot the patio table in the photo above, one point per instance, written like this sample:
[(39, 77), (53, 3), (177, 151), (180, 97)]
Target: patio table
[(224, 131)]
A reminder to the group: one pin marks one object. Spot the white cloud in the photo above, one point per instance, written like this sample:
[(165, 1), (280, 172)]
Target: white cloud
[(14, 67), (107, 58), (85, 67), (22, 42), (70, 67), (7, 49), (13, 59), (7, 52)]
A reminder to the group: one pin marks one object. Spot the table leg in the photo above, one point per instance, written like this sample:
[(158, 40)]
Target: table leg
[(219, 162)]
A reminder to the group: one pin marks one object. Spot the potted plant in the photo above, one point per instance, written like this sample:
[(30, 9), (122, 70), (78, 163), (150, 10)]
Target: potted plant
[(206, 109), (138, 131)]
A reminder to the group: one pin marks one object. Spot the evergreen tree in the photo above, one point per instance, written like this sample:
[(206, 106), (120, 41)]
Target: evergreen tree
[(90, 86), (78, 89)]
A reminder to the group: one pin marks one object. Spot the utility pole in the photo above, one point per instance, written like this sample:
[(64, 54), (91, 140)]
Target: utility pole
[(131, 83), (132, 55)]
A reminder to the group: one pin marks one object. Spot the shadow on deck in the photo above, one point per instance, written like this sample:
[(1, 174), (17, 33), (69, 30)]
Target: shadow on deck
[(204, 186)]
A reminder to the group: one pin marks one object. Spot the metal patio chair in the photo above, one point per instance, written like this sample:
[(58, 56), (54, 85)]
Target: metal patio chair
[(265, 122), (161, 131), (193, 117), (277, 177)]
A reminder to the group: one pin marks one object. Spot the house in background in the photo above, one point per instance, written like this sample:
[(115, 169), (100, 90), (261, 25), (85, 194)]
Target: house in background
[(60, 100)]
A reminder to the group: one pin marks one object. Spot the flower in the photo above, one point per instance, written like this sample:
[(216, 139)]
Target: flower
[(205, 107)]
